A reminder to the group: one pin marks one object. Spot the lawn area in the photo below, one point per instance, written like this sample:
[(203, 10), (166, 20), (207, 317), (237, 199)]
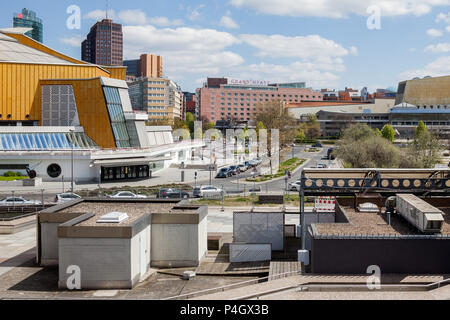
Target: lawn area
[(289, 165), (14, 178), (290, 200)]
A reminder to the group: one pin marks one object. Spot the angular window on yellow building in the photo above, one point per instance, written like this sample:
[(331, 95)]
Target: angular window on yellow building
[(117, 118)]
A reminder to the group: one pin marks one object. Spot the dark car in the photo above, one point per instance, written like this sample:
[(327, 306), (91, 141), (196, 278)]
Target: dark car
[(234, 170), (224, 173), (167, 193), (317, 145)]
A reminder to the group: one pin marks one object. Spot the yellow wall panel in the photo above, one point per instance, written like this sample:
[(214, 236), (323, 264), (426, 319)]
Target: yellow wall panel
[(92, 110), (19, 83)]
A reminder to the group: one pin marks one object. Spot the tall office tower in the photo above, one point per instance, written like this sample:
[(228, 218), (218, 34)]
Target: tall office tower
[(148, 65), (28, 19), (104, 44)]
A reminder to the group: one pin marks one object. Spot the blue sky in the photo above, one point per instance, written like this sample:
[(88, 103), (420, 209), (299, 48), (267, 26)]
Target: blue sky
[(326, 43)]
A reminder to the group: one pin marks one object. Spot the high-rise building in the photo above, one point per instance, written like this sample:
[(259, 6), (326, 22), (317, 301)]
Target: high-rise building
[(28, 19), (148, 65), (161, 98), (104, 44)]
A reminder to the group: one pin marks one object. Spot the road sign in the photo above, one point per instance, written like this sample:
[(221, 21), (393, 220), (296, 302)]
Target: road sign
[(325, 204), (212, 167)]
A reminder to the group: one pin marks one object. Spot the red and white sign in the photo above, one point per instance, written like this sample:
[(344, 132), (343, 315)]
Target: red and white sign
[(325, 204)]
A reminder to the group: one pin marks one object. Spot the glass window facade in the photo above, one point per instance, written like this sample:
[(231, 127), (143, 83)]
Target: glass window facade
[(45, 141), (117, 118)]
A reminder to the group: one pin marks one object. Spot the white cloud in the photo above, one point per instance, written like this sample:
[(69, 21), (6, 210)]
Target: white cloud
[(305, 47), (134, 17), (194, 13), (165, 22), (434, 33), (439, 67), (339, 8), (443, 17), (100, 14), (74, 41), (438, 48), (185, 50), (314, 75), (448, 29), (228, 22), (354, 51)]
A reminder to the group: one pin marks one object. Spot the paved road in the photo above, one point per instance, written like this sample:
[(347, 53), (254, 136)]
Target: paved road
[(230, 184)]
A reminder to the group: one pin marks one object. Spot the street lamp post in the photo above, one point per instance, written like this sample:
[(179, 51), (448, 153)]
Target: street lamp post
[(72, 144)]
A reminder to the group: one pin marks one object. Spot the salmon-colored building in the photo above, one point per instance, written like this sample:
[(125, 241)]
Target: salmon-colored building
[(224, 99)]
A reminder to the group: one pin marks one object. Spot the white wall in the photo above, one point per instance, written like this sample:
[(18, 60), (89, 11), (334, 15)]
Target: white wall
[(82, 171)]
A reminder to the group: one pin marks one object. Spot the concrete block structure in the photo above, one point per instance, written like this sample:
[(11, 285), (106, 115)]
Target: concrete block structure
[(110, 255), (259, 228)]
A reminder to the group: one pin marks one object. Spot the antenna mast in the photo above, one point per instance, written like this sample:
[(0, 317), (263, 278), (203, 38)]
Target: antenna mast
[(107, 8)]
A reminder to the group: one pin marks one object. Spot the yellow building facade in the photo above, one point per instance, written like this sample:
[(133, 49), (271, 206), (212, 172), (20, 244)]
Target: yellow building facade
[(27, 65)]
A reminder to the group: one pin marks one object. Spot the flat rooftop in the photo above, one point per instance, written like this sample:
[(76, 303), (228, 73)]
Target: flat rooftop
[(374, 224), (93, 210)]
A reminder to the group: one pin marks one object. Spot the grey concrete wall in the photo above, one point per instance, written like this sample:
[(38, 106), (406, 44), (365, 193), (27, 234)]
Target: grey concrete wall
[(259, 228), (49, 244), (104, 263), (203, 238), (175, 245)]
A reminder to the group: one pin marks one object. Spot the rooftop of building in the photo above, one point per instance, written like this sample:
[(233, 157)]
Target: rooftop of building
[(11, 50), (375, 224), (86, 212)]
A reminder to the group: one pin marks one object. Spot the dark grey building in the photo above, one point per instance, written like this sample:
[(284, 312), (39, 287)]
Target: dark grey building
[(28, 19), (104, 44)]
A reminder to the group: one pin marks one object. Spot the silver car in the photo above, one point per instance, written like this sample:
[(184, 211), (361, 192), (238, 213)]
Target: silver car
[(126, 195), (18, 201), (66, 197)]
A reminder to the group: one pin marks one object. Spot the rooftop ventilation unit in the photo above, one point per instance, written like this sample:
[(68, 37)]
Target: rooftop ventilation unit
[(113, 217), (419, 213)]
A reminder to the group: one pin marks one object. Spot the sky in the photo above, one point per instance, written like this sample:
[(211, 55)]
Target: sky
[(326, 43)]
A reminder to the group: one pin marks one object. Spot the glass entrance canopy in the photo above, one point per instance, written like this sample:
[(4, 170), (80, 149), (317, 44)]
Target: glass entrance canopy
[(45, 141)]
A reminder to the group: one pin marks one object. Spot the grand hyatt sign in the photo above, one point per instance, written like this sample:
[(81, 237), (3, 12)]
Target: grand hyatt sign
[(248, 82)]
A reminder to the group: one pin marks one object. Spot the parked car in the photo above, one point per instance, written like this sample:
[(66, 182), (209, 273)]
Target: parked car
[(322, 166), (224, 173), (18, 201), (66, 197), (242, 168), (317, 145), (126, 195), (294, 186), (255, 162), (234, 170), (203, 191), (169, 193)]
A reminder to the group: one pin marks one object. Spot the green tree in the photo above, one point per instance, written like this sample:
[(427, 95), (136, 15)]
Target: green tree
[(378, 132), (180, 124), (300, 136), (388, 133), (273, 115), (420, 129)]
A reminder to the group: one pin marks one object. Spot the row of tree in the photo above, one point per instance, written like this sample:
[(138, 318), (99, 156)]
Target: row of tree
[(362, 147)]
